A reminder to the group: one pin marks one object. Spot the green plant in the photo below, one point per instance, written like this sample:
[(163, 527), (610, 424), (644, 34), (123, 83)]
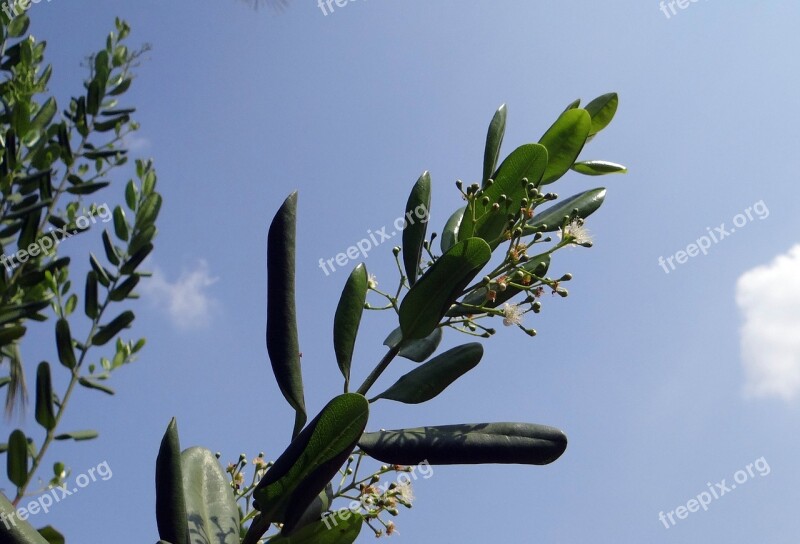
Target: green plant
[(295, 494), (53, 167)]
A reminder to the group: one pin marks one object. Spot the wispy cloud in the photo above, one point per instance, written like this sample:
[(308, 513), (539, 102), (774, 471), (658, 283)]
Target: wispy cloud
[(769, 298), (186, 300)]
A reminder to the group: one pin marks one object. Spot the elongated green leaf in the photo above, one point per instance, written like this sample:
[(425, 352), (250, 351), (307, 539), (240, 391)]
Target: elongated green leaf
[(494, 140), (16, 531), (66, 353), (450, 232), (45, 114), (574, 104), (116, 325), (348, 319), (428, 380), (529, 162), (602, 110), (598, 168), (341, 527), (87, 188), (211, 510), (17, 458), (320, 504), (121, 291), (9, 334), (140, 254), (467, 444), (414, 350), (311, 460), (148, 212), (91, 306), (171, 516), (78, 435), (564, 142), (430, 298), (282, 343), (14, 312), (92, 384), (121, 228), (537, 266), (550, 219), (416, 227), (45, 414), (111, 251)]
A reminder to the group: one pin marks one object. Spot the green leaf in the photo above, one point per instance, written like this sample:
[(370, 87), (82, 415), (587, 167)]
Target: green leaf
[(22, 311), (171, 516), (467, 444), (574, 104), (341, 527), (109, 331), (92, 384), (51, 535), (78, 435), (550, 220), (416, 228), (121, 224), (564, 142), (450, 231), (45, 414), (20, 532), (9, 334), (529, 162), (430, 298), (414, 350), (494, 140), (282, 343), (148, 212), (428, 380), (18, 26), (17, 458), (211, 510), (598, 168), (91, 307), (124, 289), (45, 114), (87, 188), (602, 110), (311, 460), (348, 319), (111, 251), (66, 353), (130, 266)]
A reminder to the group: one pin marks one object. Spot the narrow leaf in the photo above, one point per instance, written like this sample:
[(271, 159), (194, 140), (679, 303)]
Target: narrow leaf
[(415, 350), (564, 142), (211, 510), (494, 140), (171, 517), (416, 227), (92, 384), (468, 444), (282, 344), (78, 435), (45, 414), (602, 110), (428, 380), (66, 353), (550, 220), (598, 168), (450, 232), (348, 319), (116, 325), (17, 458)]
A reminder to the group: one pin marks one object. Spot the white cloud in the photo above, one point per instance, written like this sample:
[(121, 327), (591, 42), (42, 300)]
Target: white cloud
[(769, 298), (185, 300)]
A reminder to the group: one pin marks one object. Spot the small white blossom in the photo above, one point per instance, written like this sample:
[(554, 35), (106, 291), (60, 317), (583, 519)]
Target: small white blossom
[(578, 232), (512, 314), (372, 281), (404, 492)]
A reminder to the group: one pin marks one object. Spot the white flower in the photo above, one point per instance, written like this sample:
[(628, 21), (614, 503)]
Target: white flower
[(512, 314), (372, 281), (578, 232), (404, 492)]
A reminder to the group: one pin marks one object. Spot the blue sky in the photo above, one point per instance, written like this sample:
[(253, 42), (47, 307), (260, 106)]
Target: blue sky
[(664, 382)]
